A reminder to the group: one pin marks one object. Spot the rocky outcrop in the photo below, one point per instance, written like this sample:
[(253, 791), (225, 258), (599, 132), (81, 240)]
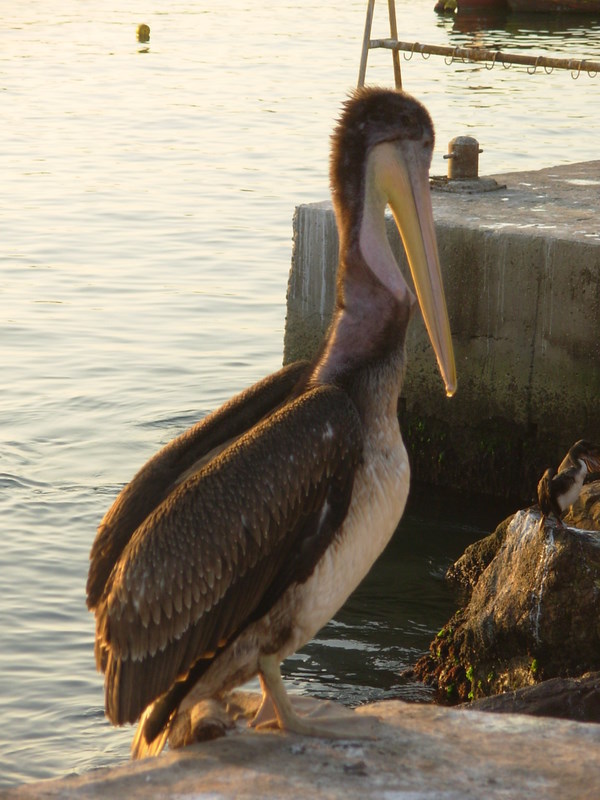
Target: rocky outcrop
[(532, 607), (569, 698), (466, 571), (420, 751), (585, 513)]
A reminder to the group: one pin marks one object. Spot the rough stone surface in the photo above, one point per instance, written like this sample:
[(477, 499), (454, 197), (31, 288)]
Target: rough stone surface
[(585, 512), (421, 753), (532, 610), (523, 289), (466, 571), (568, 698)]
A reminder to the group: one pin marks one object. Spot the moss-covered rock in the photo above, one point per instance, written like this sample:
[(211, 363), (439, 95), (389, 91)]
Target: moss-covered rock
[(532, 607)]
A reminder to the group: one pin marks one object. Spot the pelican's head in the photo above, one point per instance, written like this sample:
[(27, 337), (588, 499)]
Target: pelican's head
[(381, 155)]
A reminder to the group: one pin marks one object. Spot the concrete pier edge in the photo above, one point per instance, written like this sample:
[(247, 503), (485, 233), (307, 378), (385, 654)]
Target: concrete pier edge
[(522, 275)]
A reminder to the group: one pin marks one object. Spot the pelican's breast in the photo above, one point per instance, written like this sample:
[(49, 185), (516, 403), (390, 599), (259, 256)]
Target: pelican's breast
[(378, 500)]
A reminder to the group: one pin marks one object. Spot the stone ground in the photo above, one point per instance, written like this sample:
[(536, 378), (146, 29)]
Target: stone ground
[(421, 752)]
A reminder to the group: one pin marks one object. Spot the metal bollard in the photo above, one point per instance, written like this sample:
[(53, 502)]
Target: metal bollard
[(463, 158)]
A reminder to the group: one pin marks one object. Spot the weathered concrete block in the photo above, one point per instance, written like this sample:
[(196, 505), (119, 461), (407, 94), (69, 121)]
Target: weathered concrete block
[(421, 751), (522, 274), (311, 286)]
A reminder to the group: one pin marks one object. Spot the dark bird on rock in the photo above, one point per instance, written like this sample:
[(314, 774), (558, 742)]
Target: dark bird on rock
[(243, 536), (558, 490)]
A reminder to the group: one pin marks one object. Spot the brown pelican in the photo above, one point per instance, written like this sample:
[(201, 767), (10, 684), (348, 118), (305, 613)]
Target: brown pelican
[(559, 490), (242, 537)]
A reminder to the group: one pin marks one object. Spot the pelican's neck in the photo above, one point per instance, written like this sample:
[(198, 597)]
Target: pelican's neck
[(374, 304), (367, 332)]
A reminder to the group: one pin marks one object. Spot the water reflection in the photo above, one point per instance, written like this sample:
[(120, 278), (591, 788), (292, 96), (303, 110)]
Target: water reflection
[(522, 30)]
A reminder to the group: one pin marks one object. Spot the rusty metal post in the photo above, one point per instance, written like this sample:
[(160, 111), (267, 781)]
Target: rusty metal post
[(395, 53), (463, 158), (366, 44)]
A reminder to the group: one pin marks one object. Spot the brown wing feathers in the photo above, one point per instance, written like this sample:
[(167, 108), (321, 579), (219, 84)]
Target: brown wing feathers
[(223, 545), (152, 484)]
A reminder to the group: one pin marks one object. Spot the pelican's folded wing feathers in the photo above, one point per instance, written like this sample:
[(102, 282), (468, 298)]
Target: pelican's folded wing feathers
[(152, 484), (223, 545)]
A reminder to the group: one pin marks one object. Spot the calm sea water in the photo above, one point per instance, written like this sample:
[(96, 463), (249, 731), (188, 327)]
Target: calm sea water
[(145, 238)]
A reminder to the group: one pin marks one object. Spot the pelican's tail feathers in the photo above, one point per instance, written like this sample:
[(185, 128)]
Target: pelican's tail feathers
[(140, 746)]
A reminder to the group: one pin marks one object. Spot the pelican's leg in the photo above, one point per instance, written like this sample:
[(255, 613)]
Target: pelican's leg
[(272, 684), (338, 723), (266, 716)]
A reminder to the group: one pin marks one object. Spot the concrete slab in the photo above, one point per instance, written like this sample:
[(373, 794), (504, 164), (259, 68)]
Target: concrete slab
[(558, 202)]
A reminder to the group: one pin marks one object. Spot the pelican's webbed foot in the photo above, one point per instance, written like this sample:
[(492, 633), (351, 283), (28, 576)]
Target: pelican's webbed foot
[(324, 719)]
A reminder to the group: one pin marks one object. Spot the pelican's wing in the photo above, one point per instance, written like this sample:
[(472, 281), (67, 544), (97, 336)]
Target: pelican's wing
[(152, 484), (544, 493), (224, 545)]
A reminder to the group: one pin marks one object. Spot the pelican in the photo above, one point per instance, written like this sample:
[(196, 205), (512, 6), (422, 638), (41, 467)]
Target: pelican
[(558, 490), (243, 536)]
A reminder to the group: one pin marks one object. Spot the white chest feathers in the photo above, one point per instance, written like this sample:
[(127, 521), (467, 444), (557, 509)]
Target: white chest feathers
[(378, 499)]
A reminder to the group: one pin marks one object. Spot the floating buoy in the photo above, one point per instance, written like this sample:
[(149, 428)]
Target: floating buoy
[(143, 33)]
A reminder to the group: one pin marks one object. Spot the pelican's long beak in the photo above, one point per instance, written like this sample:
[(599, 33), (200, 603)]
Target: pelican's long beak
[(409, 197)]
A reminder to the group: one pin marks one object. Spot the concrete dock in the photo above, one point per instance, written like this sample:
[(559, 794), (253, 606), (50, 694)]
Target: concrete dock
[(521, 268)]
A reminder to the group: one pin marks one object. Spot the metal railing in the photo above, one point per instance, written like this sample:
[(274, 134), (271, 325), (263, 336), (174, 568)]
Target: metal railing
[(463, 54)]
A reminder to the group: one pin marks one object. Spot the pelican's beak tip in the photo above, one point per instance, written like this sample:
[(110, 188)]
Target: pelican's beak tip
[(451, 387)]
